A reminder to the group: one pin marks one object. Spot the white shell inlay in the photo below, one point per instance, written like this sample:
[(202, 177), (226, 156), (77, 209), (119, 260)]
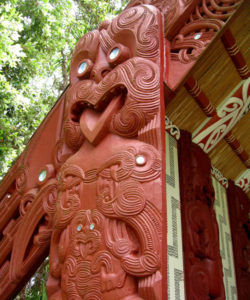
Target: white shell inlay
[(42, 175), (114, 53), (140, 160), (197, 36), (82, 68)]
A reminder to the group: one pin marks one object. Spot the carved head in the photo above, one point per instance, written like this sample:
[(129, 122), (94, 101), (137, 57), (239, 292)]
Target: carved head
[(114, 78)]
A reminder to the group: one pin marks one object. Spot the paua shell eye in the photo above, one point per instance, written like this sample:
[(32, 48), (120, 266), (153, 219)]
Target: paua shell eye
[(114, 53), (118, 54), (84, 68)]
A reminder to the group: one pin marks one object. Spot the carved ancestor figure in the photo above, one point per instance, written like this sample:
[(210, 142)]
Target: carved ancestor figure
[(106, 240)]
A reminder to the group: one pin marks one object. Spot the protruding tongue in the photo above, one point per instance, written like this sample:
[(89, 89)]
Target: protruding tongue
[(95, 125)]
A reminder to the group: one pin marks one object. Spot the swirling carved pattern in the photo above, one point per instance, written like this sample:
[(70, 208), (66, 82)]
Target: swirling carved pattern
[(229, 114), (85, 48), (107, 227), (171, 9), (73, 135), (21, 179), (140, 77), (47, 196), (185, 47), (126, 201), (61, 152), (146, 28), (206, 20), (33, 234), (26, 201), (126, 161), (125, 221)]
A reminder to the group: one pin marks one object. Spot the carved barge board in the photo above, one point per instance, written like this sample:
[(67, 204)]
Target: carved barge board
[(25, 232), (239, 209), (202, 260)]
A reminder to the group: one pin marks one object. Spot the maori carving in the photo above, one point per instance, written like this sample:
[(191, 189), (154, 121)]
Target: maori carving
[(239, 208), (24, 223), (21, 179), (202, 261), (205, 21), (107, 218), (227, 116), (172, 10), (36, 239)]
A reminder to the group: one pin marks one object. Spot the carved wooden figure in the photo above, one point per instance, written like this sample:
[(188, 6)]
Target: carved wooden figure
[(107, 221), (202, 260)]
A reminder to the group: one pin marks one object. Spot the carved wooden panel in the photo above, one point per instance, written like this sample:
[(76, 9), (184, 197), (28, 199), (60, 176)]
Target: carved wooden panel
[(195, 34), (107, 223), (239, 209), (202, 261), (234, 108), (24, 227)]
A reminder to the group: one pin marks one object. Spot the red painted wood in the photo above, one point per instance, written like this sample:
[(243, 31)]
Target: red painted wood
[(237, 148), (109, 224), (200, 97), (216, 128), (235, 54), (239, 209), (25, 233), (202, 261), (203, 23)]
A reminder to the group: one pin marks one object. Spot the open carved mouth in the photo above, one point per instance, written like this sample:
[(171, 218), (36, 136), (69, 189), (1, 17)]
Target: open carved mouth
[(95, 120), (80, 106)]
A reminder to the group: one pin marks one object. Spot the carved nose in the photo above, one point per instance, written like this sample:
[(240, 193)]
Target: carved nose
[(101, 67)]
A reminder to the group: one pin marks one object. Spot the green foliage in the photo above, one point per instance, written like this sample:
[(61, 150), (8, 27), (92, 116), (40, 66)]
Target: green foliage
[(35, 289), (36, 42)]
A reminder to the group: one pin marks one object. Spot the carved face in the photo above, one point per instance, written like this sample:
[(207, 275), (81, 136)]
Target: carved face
[(114, 78)]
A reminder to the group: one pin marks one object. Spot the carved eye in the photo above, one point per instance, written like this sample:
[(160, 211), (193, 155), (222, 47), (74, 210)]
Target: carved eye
[(118, 54), (114, 53), (84, 68)]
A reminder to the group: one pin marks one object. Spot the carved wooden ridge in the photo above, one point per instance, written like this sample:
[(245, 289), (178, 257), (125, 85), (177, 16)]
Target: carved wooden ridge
[(98, 195)]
